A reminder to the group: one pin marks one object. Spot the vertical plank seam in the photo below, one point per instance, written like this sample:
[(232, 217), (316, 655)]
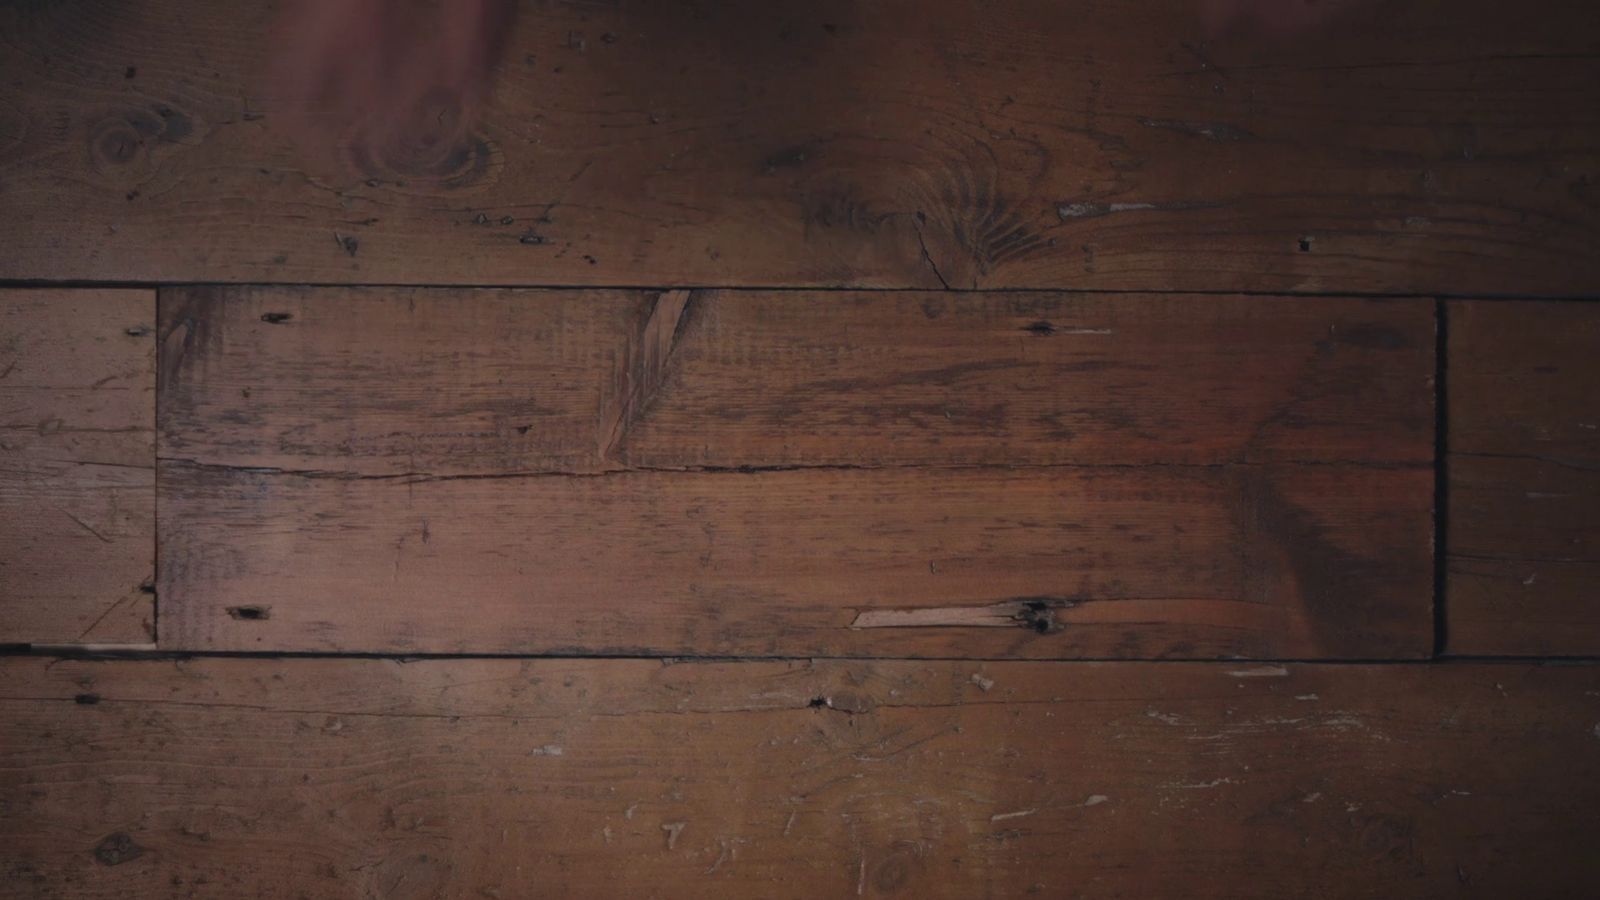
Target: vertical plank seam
[(1441, 477)]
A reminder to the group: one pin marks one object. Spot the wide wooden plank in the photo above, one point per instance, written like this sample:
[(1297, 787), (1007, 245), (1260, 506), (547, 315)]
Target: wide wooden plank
[(1524, 478), (77, 466), (379, 381), (753, 473), (1027, 143), (287, 778), (1301, 561)]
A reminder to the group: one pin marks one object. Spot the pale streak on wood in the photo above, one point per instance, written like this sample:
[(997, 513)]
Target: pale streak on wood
[(643, 370)]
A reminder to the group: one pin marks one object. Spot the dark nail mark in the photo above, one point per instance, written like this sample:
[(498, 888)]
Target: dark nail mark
[(275, 318), (1042, 329), (86, 699), (250, 613), (1039, 613), (790, 158), (116, 849)]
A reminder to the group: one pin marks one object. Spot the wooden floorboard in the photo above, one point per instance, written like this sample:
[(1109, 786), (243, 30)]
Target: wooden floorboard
[(1523, 535), (1310, 561), (321, 777), (1027, 143), (77, 467), (384, 381), (956, 448), (781, 474)]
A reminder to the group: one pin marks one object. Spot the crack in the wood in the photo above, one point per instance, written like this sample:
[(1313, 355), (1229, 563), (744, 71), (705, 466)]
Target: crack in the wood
[(928, 258), (1580, 465), (616, 470)]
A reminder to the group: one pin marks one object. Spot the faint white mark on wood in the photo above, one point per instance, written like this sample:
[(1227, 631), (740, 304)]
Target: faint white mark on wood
[(1307, 697), (1202, 785), (546, 750), (1092, 210), (673, 829), (1096, 800), (721, 855), (1261, 672), (984, 684), (1001, 817)]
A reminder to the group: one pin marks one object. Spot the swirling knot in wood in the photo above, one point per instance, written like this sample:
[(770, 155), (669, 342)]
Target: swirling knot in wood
[(436, 145)]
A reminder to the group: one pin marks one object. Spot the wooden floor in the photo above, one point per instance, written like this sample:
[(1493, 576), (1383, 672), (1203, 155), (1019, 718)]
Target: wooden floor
[(943, 449)]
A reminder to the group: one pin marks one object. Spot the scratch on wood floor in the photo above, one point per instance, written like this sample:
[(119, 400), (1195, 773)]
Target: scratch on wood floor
[(82, 524), (1034, 613)]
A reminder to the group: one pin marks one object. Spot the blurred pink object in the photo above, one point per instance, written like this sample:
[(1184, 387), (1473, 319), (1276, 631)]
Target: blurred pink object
[(1271, 16), (381, 74)]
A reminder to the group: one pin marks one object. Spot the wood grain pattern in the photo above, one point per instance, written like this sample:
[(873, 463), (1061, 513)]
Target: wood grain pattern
[(1524, 471), (1304, 561), (286, 778), (762, 474), (385, 381), (957, 143), (77, 466)]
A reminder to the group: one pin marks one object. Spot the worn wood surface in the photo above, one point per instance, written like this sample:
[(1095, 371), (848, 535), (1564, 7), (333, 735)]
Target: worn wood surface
[(343, 470), (379, 381), (1028, 143), (77, 466), (1297, 561), (1524, 478), (319, 777)]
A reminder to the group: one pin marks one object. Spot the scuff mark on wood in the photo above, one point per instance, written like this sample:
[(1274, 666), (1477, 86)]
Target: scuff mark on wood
[(1261, 672), (1069, 211), (1211, 131), (1034, 613)]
